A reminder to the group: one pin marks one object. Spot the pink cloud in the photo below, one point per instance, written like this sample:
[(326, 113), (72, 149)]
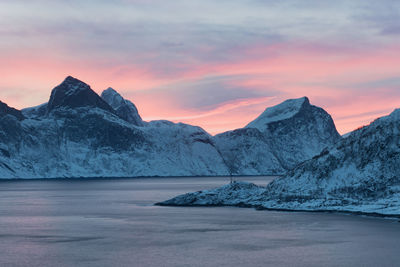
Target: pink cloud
[(332, 77)]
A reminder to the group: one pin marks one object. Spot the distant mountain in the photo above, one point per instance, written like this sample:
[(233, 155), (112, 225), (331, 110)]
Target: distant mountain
[(360, 173), (279, 139), (81, 134)]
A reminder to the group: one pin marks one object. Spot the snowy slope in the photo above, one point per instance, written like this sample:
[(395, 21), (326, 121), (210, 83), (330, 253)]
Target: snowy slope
[(358, 174), (181, 149), (248, 152), (279, 139), (283, 111)]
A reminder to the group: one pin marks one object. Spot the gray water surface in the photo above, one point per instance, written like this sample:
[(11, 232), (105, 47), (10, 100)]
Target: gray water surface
[(114, 223)]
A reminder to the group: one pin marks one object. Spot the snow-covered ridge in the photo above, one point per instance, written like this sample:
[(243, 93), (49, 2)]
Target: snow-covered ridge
[(243, 194), (283, 111), (233, 194), (359, 173)]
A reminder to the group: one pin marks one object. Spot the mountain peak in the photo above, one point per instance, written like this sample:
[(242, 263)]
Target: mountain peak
[(110, 90), (112, 97), (124, 108), (70, 79), (75, 93), (282, 111)]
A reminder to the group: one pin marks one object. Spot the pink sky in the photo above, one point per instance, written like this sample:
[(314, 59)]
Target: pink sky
[(211, 69)]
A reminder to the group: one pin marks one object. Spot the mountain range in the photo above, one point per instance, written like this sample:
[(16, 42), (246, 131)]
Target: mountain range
[(78, 133)]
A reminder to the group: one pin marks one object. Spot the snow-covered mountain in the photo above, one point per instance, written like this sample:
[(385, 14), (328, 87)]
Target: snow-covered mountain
[(78, 133), (359, 174), (279, 139)]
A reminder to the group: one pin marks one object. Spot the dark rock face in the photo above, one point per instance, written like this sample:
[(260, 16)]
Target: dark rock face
[(10, 130), (73, 93), (6, 110), (97, 131)]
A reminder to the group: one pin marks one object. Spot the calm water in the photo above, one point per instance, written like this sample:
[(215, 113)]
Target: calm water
[(113, 223)]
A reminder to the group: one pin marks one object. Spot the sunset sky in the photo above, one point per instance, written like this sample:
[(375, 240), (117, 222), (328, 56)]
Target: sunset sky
[(216, 64)]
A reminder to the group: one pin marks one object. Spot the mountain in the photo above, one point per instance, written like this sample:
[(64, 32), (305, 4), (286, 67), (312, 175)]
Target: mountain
[(6, 110), (73, 93), (124, 108), (78, 133), (279, 139), (360, 173)]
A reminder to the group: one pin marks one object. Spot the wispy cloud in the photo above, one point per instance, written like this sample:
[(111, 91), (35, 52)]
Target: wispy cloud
[(219, 110)]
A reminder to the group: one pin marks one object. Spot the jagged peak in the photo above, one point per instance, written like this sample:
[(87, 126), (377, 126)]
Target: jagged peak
[(110, 90), (75, 93), (72, 85), (282, 111), (123, 107), (112, 97), (73, 80)]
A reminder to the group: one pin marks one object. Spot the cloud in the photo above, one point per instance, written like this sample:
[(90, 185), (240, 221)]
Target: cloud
[(221, 109), (209, 92), (203, 59), (380, 16), (389, 83)]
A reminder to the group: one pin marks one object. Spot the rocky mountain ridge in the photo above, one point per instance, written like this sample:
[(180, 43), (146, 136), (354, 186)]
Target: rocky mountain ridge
[(279, 139)]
